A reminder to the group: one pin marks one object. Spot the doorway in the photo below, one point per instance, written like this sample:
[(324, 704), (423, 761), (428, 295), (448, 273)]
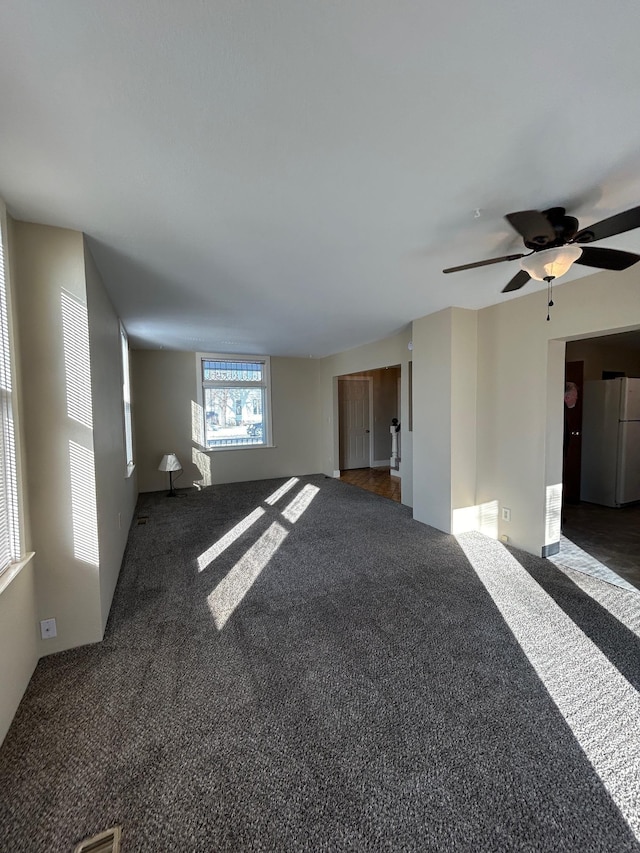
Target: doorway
[(596, 538), (368, 401)]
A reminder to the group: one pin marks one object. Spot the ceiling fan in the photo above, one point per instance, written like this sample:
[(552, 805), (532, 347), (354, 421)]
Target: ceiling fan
[(554, 239)]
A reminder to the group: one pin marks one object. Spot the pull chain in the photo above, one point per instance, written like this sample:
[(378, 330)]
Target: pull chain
[(549, 281)]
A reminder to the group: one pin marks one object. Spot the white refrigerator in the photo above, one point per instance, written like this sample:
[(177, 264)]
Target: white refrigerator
[(611, 442)]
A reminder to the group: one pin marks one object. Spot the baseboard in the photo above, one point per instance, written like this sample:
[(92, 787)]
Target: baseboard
[(336, 474), (380, 463), (395, 473)]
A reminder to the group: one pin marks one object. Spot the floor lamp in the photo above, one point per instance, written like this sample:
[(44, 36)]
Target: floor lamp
[(170, 463)]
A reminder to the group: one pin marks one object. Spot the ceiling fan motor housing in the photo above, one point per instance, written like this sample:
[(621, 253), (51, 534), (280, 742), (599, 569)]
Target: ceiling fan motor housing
[(564, 227)]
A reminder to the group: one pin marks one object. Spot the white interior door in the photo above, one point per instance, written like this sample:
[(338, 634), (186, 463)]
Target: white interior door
[(355, 435)]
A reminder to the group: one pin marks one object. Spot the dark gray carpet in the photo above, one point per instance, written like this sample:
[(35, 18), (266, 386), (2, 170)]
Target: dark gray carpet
[(366, 695)]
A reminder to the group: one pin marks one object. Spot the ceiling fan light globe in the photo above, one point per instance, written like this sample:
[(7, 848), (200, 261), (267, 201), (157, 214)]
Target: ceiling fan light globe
[(551, 263)]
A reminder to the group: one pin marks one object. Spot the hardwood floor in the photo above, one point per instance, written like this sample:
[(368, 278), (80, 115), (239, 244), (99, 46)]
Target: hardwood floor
[(377, 480)]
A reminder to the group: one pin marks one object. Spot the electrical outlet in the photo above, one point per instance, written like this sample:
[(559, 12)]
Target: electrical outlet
[(48, 629), (506, 514)]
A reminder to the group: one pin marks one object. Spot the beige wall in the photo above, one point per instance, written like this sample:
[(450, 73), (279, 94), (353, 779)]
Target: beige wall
[(432, 420), (18, 643), (380, 354), (49, 264), (520, 389), (464, 361), (116, 493), (71, 378), (600, 356), (167, 420), (444, 415)]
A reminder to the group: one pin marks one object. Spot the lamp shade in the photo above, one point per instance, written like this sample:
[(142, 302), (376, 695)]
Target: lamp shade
[(170, 462), (551, 263)]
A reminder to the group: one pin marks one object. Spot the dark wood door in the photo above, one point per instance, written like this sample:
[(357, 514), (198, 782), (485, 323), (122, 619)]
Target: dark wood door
[(574, 371)]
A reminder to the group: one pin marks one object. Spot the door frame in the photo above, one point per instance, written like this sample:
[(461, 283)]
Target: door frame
[(352, 378)]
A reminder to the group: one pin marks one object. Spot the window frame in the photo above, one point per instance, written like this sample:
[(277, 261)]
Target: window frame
[(11, 480), (265, 385), (127, 419)]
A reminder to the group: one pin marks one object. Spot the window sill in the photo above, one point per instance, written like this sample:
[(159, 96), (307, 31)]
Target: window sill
[(240, 447), (14, 570), (129, 470)]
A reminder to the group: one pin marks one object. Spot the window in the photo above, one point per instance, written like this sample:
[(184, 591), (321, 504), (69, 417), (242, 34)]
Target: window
[(126, 402), (10, 544), (235, 400)]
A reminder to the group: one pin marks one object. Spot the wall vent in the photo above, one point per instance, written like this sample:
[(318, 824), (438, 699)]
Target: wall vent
[(105, 842)]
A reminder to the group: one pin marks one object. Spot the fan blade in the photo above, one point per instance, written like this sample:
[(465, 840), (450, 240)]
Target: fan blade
[(607, 259), (533, 226), (484, 263), (617, 224), (519, 280)]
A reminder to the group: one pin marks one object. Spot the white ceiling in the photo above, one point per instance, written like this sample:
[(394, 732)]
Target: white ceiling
[(290, 177)]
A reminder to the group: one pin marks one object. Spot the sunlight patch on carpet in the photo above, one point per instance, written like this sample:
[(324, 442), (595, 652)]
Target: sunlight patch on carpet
[(233, 587), (299, 504), (622, 604), (207, 557), (275, 497), (600, 706)]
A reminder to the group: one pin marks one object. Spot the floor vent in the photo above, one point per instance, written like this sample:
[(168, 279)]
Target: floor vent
[(105, 842), (142, 519)]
